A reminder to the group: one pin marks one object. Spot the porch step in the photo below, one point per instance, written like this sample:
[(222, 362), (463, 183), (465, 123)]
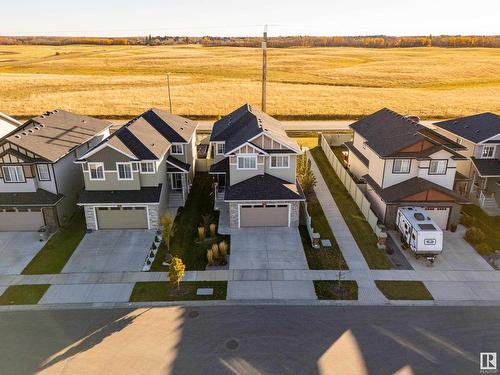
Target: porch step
[(490, 203), (175, 200)]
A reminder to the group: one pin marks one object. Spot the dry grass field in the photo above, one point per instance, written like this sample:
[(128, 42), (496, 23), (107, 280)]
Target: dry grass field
[(121, 81)]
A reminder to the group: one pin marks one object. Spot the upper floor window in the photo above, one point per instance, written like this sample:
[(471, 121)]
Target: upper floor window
[(13, 173), (177, 149), (247, 162), (148, 167), (96, 171), (280, 161), (219, 148), (438, 166), (124, 171), (43, 172), (488, 151), (401, 166), (459, 141)]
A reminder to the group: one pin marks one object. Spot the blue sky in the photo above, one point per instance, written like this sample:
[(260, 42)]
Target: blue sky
[(236, 17)]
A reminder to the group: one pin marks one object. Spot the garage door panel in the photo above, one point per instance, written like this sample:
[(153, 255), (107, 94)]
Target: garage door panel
[(21, 221), (439, 215), (264, 216), (122, 218)]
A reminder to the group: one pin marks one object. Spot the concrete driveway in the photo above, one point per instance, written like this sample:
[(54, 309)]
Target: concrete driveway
[(267, 248), (457, 254), (258, 254), (17, 249), (111, 251)]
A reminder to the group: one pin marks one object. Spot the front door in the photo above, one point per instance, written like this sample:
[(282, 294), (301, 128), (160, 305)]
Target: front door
[(176, 181)]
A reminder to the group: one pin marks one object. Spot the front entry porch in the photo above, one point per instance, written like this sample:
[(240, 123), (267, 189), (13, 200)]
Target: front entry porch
[(485, 192)]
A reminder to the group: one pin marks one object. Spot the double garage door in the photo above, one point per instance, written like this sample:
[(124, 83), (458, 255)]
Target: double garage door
[(439, 215), (21, 220), (258, 215), (122, 217)]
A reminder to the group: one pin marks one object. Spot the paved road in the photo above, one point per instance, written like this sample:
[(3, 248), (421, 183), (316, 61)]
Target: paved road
[(249, 340)]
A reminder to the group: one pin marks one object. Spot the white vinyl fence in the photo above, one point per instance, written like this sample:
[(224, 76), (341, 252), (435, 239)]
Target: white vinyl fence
[(355, 192)]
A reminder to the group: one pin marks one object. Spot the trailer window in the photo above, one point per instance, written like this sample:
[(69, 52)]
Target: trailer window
[(413, 236), (429, 241)]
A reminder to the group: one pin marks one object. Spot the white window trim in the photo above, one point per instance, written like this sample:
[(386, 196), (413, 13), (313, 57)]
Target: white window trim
[(39, 174), (118, 172), (492, 155), (97, 165), (177, 153), (246, 156), (14, 166), (279, 156), (147, 162), (217, 148)]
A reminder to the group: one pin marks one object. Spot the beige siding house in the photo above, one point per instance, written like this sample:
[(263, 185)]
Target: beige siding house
[(39, 182), (404, 163), (139, 172), (254, 168), (478, 177)]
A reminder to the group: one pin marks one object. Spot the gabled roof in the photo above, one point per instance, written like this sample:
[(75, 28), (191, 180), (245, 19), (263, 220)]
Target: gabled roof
[(475, 128), (396, 193), (246, 123), (387, 133), (177, 164), (56, 133), (263, 187), (150, 135)]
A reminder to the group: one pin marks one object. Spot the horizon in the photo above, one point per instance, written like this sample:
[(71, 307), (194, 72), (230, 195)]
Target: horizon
[(198, 18)]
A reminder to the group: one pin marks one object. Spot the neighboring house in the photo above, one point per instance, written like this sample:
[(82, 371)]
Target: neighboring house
[(7, 124), (39, 183), (405, 163), (138, 172), (254, 166), (481, 135)]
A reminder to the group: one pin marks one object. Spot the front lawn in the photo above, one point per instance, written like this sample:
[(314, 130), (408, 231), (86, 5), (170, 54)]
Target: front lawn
[(23, 294), (59, 248), (322, 258), (359, 227), (154, 291), (184, 243), (488, 224), (325, 289), (403, 290)]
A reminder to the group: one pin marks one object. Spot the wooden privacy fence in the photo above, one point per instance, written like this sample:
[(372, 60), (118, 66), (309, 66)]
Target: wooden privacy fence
[(356, 193)]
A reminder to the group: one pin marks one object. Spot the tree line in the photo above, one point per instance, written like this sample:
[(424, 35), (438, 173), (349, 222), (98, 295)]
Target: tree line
[(378, 41)]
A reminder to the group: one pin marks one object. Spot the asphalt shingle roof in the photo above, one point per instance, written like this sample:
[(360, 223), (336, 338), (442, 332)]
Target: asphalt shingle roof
[(487, 167), (38, 198), (475, 128), (144, 195), (263, 187)]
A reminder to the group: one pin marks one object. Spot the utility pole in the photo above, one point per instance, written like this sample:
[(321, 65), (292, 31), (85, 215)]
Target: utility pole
[(264, 68), (169, 96)]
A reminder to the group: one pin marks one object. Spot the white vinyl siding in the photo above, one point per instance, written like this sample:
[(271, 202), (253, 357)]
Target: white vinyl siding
[(96, 171), (247, 162), (401, 166), (43, 172), (124, 171), (280, 161), (13, 173)]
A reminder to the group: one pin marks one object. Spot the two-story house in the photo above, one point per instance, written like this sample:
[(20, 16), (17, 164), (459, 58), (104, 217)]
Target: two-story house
[(404, 163), (255, 165), (39, 183), (139, 172), (480, 134)]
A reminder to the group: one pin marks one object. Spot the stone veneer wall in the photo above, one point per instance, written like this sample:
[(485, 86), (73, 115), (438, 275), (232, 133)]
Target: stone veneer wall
[(294, 214), (90, 218)]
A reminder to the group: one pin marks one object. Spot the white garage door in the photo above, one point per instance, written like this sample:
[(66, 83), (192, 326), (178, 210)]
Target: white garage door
[(264, 216), (439, 215), (20, 221), (122, 217)]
